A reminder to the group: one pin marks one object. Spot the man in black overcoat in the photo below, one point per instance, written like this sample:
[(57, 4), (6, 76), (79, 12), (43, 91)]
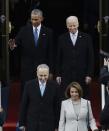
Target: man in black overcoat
[(75, 58), (40, 103), (104, 79)]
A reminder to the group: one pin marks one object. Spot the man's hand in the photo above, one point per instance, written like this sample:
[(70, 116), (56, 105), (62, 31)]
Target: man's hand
[(96, 130), (88, 80), (12, 44), (106, 61), (56, 129), (22, 128), (1, 109), (58, 79)]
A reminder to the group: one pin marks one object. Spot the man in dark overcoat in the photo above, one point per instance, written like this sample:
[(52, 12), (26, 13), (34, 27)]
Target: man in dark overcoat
[(40, 103), (75, 58)]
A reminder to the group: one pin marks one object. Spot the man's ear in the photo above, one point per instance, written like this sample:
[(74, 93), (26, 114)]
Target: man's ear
[(42, 18)]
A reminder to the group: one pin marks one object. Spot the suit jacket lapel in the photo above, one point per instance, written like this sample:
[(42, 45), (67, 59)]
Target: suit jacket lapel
[(38, 88), (69, 39), (78, 39), (31, 35), (83, 105), (41, 33), (71, 108)]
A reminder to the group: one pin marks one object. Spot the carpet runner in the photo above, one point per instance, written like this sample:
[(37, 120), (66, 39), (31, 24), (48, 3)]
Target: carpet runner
[(13, 107)]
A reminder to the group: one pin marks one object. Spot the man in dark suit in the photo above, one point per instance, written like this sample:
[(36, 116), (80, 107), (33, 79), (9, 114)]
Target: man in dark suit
[(34, 51), (104, 79), (40, 103), (104, 116), (75, 56)]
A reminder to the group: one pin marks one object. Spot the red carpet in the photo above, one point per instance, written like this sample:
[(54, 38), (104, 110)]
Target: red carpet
[(13, 107), (14, 98), (96, 100)]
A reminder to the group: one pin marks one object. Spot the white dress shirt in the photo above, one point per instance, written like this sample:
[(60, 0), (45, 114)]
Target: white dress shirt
[(42, 87), (73, 37)]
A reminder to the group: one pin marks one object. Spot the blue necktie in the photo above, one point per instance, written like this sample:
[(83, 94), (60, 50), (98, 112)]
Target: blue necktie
[(35, 36), (42, 89)]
